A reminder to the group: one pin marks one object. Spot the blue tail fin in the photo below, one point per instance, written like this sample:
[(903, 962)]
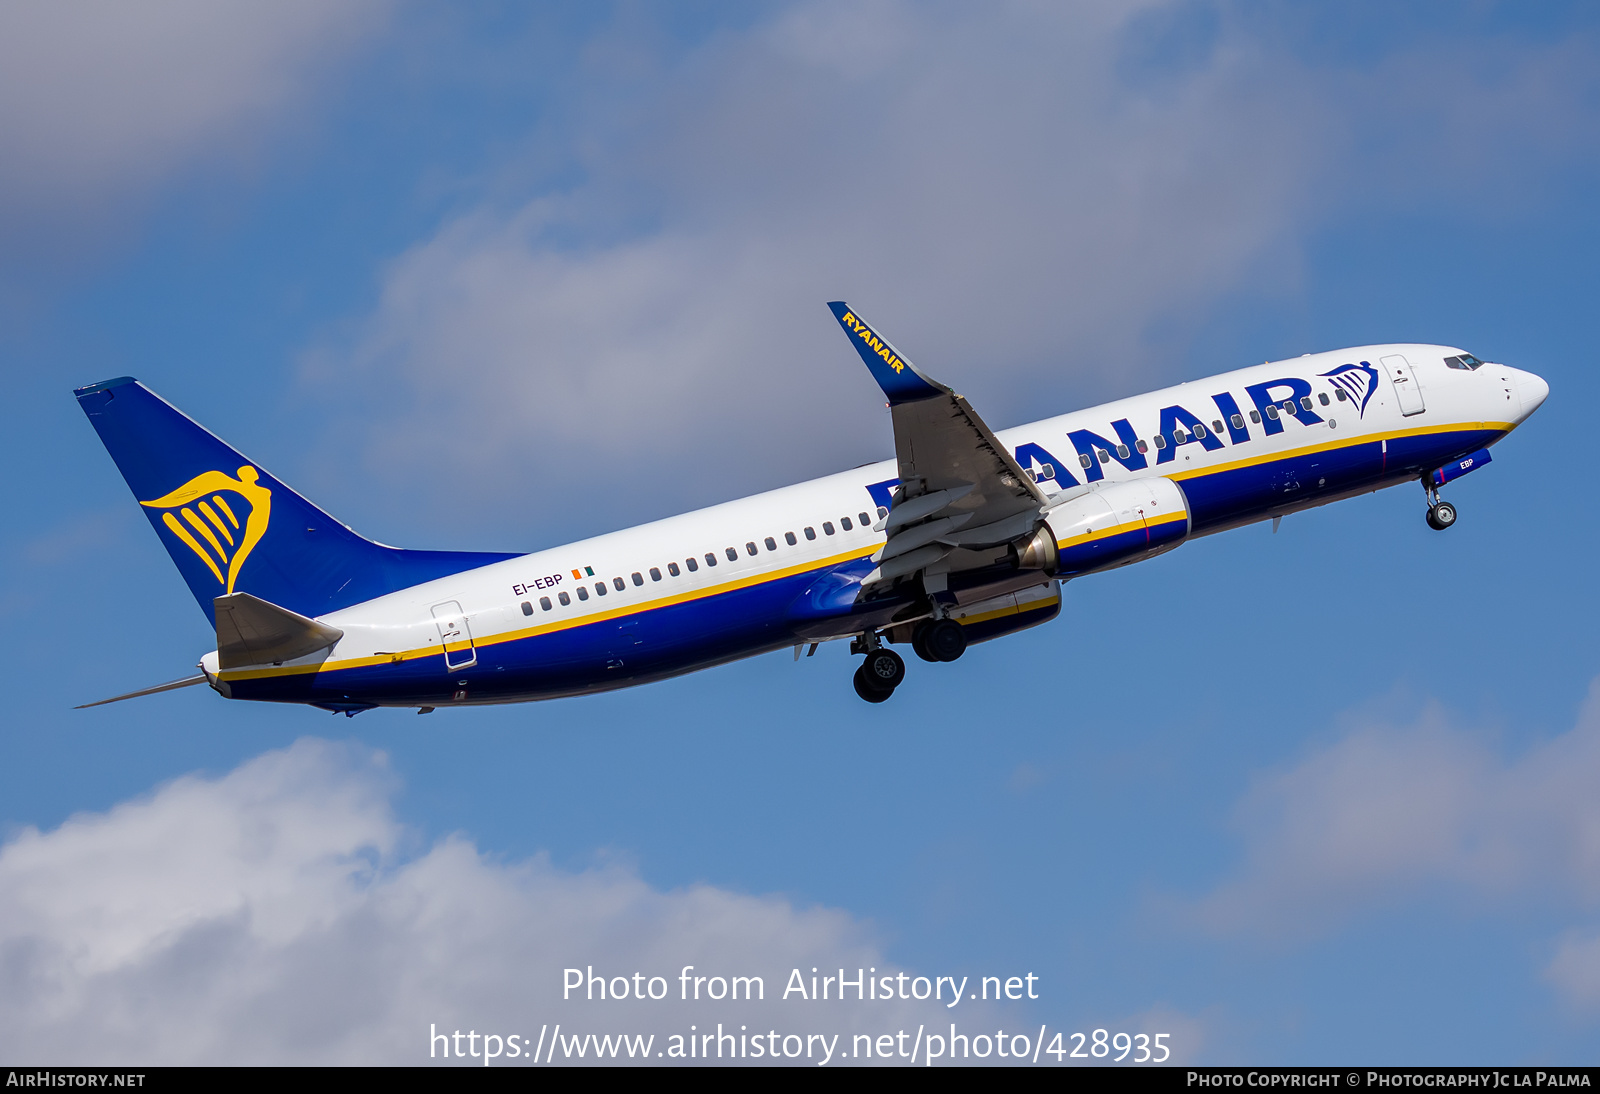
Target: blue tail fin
[(231, 527)]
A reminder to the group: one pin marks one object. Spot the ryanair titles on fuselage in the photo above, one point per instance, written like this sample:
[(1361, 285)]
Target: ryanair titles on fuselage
[(1271, 401)]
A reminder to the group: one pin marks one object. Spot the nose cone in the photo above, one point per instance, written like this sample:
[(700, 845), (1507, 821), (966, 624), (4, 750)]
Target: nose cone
[(1532, 391)]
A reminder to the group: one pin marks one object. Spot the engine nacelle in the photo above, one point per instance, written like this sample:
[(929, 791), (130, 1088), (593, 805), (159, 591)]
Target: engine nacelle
[(1009, 613), (1114, 524)]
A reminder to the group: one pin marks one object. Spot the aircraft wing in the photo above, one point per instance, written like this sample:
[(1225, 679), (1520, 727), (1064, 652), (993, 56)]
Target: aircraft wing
[(961, 492)]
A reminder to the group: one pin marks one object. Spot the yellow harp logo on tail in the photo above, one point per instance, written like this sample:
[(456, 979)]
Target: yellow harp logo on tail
[(199, 514)]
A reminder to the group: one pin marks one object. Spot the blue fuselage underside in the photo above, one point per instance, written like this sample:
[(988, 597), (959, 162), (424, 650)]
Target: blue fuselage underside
[(715, 629)]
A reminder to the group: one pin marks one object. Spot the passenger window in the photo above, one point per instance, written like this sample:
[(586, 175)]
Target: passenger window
[(1305, 402), (1142, 447), (600, 588), (1216, 427), (692, 564), (583, 594), (788, 537), (811, 533), (1105, 457), (844, 522), (544, 602), (1199, 431), (672, 568), (866, 521), (564, 598), (733, 556), (1340, 395), (1255, 416), (1084, 460), (750, 548), (711, 558), (527, 609), (1272, 412), (882, 512), (1289, 407), (1322, 397), (772, 544), (655, 574), (1047, 471), (827, 527), (1161, 441), (1122, 451), (616, 583), (1179, 436), (638, 578)]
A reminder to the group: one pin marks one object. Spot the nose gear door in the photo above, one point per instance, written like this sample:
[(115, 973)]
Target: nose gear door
[(456, 636), (1405, 386)]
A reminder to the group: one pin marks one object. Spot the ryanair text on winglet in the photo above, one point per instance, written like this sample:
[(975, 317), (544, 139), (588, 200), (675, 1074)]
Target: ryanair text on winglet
[(864, 333)]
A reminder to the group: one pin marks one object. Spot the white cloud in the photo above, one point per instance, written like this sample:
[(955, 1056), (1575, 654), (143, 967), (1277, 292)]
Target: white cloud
[(1426, 812), (1029, 209), (278, 914), (977, 182), (101, 100)]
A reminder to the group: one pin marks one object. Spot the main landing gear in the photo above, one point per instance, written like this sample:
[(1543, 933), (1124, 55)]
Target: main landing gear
[(882, 670), (1441, 514), (878, 675), (939, 640)]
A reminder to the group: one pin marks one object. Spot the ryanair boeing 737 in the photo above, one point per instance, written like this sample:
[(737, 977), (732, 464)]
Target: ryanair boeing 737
[(965, 537)]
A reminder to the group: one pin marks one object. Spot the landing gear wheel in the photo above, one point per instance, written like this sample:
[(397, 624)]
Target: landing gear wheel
[(883, 670), (865, 688), (946, 640), (919, 641), (1441, 516)]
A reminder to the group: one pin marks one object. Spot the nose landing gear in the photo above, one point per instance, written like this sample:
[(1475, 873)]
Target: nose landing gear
[(1441, 514)]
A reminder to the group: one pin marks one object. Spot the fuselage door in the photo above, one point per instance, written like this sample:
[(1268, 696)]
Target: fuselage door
[(456, 636), (1405, 385)]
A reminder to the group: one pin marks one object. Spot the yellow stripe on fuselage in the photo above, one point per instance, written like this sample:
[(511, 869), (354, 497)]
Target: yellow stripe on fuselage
[(1328, 446), (560, 624), (789, 571)]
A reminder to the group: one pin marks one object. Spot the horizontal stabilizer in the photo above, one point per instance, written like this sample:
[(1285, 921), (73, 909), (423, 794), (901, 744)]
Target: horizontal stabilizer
[(251, 631), (186, 682)]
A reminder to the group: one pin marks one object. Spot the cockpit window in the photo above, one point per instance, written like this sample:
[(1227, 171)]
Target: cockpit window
[(1466, 362)]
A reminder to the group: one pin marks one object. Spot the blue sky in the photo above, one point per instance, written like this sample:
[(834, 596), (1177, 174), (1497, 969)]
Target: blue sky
[(505, 277)]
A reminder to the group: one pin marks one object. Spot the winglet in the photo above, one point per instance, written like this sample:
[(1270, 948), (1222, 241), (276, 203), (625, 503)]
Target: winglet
[(899, 378)]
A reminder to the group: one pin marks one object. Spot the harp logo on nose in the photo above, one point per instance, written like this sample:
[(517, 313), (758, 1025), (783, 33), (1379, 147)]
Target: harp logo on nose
[(220, 519), (1358, 382)]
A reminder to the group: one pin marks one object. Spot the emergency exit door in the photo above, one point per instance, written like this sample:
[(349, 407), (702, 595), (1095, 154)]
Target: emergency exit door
[(456, 636)]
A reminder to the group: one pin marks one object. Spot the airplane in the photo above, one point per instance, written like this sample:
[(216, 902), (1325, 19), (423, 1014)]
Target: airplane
[(966, 536)]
